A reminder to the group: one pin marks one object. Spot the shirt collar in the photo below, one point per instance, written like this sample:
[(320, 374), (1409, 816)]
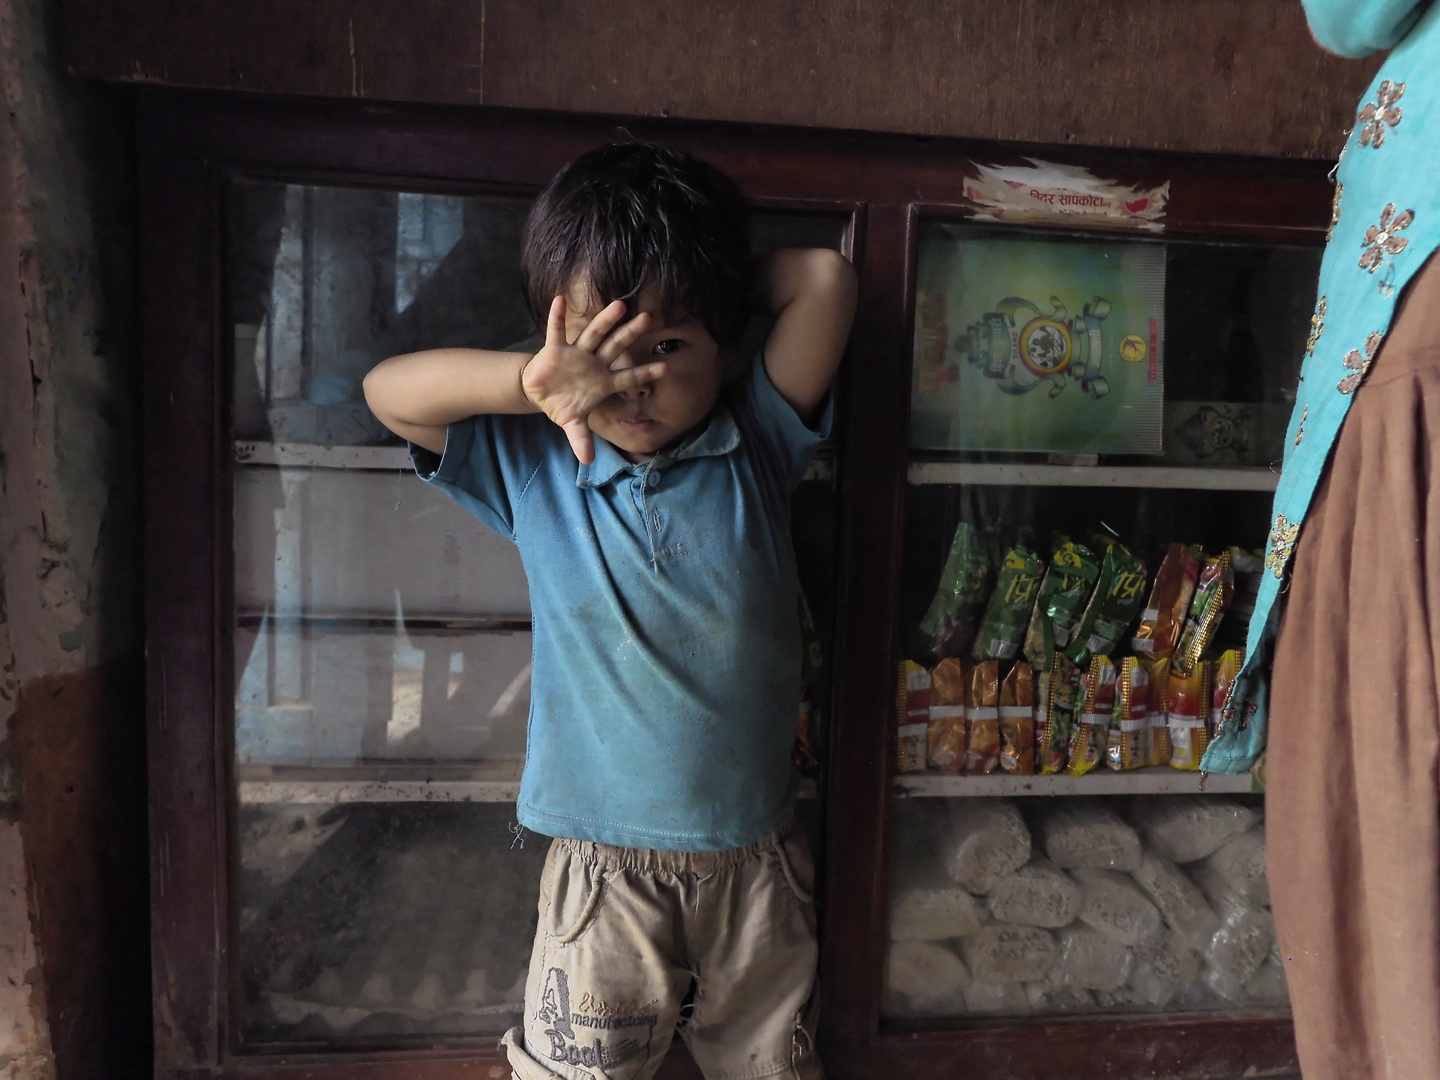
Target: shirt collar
[(720, 436)]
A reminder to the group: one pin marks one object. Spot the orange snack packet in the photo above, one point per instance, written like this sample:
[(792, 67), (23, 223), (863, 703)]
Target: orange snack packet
[(1017, 720), (946, 739), (982, 717), (1129, 740), (1189, 716), (1163, 617), (1159, 673), (912, 715), (1087, 744), (1213, 592)]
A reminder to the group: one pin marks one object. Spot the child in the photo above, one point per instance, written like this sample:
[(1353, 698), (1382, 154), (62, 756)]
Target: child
[(664, 595)]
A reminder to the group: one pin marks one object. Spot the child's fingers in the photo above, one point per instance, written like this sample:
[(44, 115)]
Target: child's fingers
[(578, 432), (555, 324), (623, 337), (643, 375), (599, 328)]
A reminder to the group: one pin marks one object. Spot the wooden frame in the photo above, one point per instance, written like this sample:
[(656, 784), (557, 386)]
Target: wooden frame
[(190, 142)]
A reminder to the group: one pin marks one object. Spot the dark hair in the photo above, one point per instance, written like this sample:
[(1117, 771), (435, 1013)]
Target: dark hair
[(634, 215)]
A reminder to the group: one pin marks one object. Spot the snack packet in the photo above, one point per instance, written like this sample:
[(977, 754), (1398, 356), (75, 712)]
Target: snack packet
[(1222, 678), (1087, 743), (1159, 675), (960, 597), (982, 717), (1017, 721), (1128, 744), (1061, 683), (1213, 593), (945, 746), (912, 715), (1117, 597), (1189, 716), (1164, 616), (1008, 613), (1066, 586)]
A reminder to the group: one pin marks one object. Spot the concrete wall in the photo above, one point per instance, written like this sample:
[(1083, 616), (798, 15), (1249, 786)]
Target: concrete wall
[(74, 978)]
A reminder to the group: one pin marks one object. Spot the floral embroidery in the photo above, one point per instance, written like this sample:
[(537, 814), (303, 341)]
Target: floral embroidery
[(1300, 431), (1358, 365), (1282, 544), (1380, 240), (1317, 327), (1334, 212), (1380, 112)]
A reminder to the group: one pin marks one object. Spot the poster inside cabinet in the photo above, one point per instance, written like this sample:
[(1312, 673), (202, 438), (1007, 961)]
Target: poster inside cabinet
[(1029, 343)]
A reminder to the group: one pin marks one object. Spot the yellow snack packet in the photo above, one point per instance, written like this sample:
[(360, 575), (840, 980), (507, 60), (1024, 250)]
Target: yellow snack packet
[(912, 716), (1087, 743)]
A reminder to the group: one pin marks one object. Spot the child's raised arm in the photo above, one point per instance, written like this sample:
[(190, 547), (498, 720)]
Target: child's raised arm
[(812, 293), (418, 395)]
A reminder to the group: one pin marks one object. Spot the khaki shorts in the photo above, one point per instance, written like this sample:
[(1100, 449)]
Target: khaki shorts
[(633, 944)]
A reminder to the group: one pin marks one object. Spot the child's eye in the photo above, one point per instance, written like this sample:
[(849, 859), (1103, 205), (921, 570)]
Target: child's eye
[(669, 345)]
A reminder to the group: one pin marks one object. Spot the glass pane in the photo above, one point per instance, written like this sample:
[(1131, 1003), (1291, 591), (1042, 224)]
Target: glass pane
[(1028, 342), (382, 635), (1044, 906), (1072, 610)]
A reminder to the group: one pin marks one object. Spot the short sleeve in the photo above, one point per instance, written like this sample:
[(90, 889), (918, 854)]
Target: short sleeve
[(1357, 28), (787, 440), (487, 464)]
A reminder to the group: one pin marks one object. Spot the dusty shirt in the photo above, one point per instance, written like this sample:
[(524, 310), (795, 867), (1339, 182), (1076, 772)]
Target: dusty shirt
[(666, 666)]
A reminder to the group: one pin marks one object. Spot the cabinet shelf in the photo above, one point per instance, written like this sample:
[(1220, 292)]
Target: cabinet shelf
[(1249, 478), (1155, 780), (390, 458), (487, 782)]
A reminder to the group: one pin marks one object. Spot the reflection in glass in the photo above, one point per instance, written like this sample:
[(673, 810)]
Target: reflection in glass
[(382, 635), (1050, 906)]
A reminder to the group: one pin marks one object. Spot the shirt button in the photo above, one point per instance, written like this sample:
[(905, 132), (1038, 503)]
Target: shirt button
[(654, 480)]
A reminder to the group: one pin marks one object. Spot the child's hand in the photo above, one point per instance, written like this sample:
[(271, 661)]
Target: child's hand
[(567, 382)]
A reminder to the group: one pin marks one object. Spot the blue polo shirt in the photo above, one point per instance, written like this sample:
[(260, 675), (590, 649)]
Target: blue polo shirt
[(666, 667)]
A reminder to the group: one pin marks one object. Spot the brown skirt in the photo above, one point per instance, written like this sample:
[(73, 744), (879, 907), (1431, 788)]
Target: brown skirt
[(1353, 805)]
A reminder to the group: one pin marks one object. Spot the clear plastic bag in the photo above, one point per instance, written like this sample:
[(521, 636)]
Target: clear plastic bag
[(1089, 960), (1241, 863), (1038, 894), (933, 914), (1236, 951), (1000, 953), (1184, 828), (923, 979), (1164, 970), (1181, 902), (1114, 905), (988, 842), (1080, 833), (996, 997)]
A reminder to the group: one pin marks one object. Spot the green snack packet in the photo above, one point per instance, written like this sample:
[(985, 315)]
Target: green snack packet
[(1057, 695), (1116, 601), (959, 599), (1008, 613), (1066, 586)]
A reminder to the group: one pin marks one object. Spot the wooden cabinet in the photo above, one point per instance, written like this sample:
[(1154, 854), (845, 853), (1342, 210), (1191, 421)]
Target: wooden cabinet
[(338, 657)]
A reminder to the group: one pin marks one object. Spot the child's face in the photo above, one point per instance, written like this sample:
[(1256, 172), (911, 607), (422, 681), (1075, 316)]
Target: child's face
[(644, 421)]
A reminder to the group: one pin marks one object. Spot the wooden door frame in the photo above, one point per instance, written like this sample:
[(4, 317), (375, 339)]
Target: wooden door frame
[(192, 143)]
